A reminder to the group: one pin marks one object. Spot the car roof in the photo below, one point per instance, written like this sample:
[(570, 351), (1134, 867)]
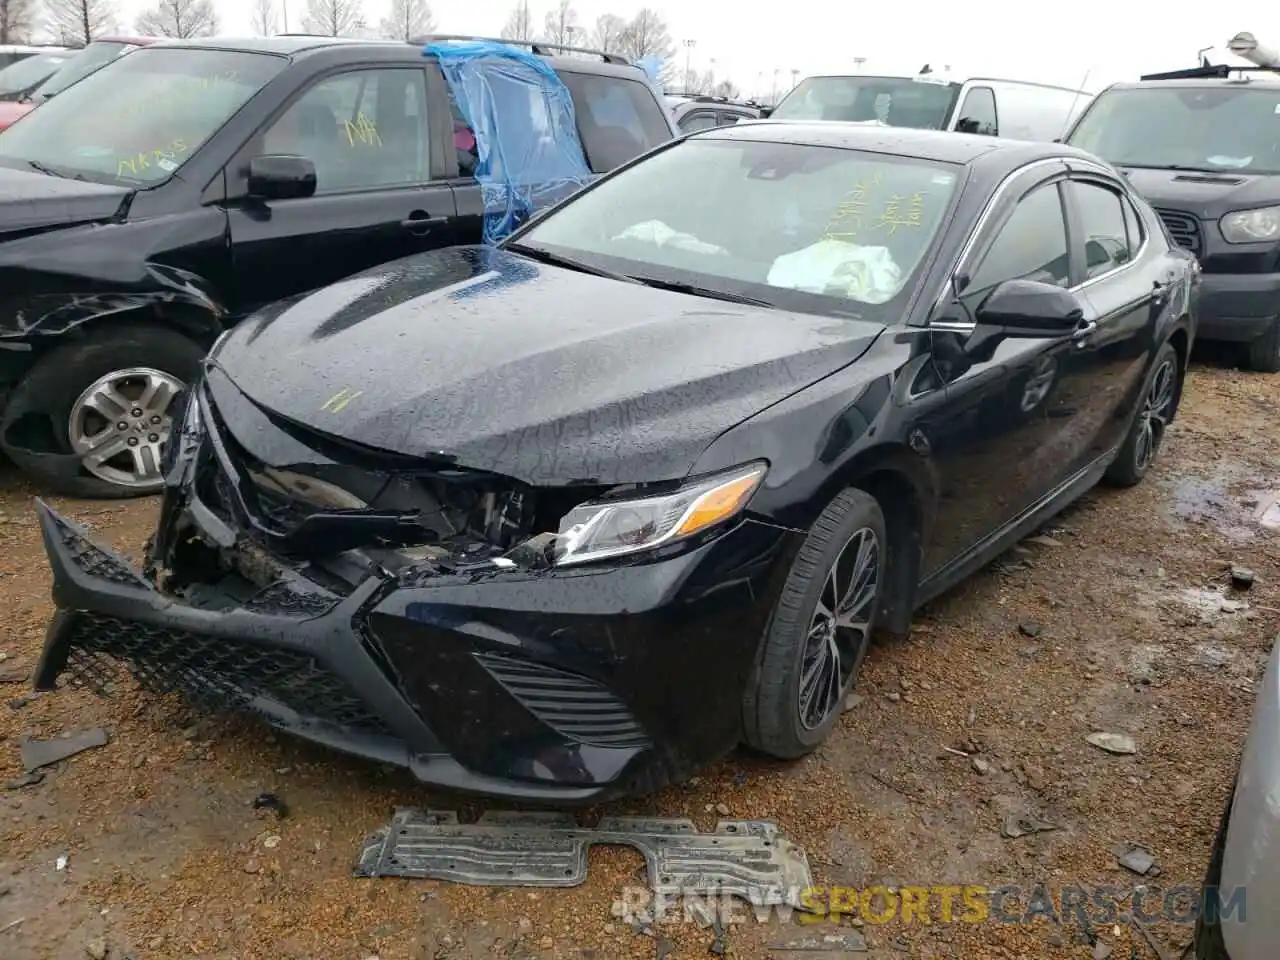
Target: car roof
[(1265, 81), (296, 46), (138, 41), (937, 145)]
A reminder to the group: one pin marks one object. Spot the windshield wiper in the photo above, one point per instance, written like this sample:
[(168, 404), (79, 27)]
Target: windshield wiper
[(694, 290), (546, 256), (37, 165)]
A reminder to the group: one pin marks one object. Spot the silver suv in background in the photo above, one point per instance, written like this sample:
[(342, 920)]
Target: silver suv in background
[(702, 112), (1014, 109)]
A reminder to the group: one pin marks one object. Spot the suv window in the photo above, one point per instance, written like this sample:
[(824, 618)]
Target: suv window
[(701, 120), (978, 113), (1032, 244), (363, 129), (618, 119), (1106, 244)]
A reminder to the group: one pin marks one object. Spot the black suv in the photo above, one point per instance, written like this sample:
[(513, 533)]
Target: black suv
[(178, 189), (1201, 146)]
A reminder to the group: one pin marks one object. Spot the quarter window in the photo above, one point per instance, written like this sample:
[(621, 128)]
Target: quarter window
[(703, 120), (978, 113), (1031, 245), (362, 130), (1102, 222)]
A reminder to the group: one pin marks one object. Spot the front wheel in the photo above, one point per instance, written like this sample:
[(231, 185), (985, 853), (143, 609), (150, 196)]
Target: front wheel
[(91, 417), (1156, 408), (1263, 354), (819, 631)]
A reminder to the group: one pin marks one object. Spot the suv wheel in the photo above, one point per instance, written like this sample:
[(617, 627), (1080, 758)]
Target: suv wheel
[(91, 417), (1264, 353)]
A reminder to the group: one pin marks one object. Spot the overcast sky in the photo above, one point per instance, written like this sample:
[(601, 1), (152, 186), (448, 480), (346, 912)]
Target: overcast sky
[(1050, 42)]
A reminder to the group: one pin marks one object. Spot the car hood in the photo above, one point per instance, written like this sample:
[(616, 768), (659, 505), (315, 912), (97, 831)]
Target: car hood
[(1205, 195), (11, 112), (31, 201), (494, 362)]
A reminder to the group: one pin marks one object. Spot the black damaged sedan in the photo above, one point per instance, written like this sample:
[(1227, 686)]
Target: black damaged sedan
[(568, 518)]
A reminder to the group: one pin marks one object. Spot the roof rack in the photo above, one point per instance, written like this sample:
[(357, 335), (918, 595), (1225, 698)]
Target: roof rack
[(542, 48), (710, 98), (1221, 71)]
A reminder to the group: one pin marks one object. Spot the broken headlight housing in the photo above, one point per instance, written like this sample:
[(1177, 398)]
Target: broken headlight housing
[(602, 529), (1251, 226)]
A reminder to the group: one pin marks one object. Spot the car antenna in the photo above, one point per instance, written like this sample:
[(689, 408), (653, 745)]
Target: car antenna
[(1066, 126)]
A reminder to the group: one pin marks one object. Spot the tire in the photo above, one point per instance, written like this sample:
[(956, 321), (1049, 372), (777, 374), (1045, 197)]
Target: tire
[(772, 705), (36, 431), (1156, 406), (1207, 941), (1263, 354)]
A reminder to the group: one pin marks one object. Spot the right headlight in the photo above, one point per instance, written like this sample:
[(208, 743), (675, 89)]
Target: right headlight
[(1251, 226), (601, 529)]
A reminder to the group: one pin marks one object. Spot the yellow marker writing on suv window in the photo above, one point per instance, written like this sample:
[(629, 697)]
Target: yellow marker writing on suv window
[(338, 402)]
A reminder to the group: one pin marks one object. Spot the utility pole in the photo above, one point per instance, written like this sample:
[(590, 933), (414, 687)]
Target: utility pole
[(795, 77), (774, 99), (858, 62), (688, 71), (284, 14)]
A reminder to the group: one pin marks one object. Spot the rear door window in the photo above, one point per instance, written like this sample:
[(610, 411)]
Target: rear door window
[(618, 118)]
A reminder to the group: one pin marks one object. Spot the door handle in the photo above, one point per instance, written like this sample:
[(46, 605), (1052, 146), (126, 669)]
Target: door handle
[(420, 225), (1084, 331), (1160, 292)]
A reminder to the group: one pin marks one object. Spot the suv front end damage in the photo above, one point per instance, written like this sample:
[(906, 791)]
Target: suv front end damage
[(411, 611)]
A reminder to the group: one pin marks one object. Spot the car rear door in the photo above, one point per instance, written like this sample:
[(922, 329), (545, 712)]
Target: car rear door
[(382, 188), (1122, 286)]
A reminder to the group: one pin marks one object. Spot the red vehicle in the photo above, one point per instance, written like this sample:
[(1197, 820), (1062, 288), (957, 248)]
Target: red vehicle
[(97, 54)]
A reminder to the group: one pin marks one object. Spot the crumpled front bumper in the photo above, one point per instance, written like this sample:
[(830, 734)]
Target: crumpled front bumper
[(535, 686)]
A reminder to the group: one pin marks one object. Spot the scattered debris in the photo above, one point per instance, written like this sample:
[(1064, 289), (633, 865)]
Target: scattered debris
[(12, 923), (1241, 578), (722, 809), (718, 947), (851, 702), (14, 673), (1134, 858), (1151, 941), (26, 780), (45, 753), (272, 803), (1016, 825), (748, 859), (252, 866), (61, 862), (1032, 630), (852, 942), (1043, 541), (1102, 950), (271, 842), (1113, 742), (958, 753), (981, 766), (893, 696), (96, 948)]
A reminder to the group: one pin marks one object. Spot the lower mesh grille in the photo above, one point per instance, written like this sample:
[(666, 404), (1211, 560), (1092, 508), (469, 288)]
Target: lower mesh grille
[(215, 673), (575, 707)]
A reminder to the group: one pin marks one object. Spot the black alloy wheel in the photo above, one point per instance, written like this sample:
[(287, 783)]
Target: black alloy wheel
[(1155, 412)]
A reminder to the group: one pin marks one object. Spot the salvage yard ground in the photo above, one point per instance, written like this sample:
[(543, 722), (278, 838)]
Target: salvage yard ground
[(1120, 619)]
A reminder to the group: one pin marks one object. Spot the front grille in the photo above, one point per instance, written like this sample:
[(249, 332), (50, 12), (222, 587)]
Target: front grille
[(284, 686), (575, 707), (1184, 228)]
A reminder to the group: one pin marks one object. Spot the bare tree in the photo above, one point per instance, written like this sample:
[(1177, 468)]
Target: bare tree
[(409, 20), (17, 20), (333, 18), (264, 18), (608, 33), (178, 18), (561, 24), (727, 89), (519, 25), (647, 35), (79, 21)]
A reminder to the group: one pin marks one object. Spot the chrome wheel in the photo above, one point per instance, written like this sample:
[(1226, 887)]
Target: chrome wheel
[(1157, 408), (119, 425), (839, 629)]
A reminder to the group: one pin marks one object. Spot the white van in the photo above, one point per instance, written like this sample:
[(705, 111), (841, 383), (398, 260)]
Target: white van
[(998, 108)]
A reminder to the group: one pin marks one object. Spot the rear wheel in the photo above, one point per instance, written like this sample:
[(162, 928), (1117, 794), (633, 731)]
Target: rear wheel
[(91, 417), (1156, 409), (1263, 354), (819, 631)]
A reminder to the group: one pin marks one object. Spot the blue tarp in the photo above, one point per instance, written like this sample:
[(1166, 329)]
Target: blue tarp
[(528, 152)]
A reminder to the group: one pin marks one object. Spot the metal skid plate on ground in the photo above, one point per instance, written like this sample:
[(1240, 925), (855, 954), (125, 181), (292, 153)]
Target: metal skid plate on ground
[(744, 858)]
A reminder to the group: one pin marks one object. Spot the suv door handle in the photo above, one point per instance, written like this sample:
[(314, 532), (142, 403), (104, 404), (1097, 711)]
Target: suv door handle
[(1084, 331), (420, 224)]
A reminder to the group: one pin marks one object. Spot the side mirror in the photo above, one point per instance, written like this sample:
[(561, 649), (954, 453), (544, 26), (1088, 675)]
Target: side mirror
[(281, 177), (1029, 308)]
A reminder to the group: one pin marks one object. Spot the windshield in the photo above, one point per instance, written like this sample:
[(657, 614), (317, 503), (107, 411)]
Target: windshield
[(809, 228), (95, 55), (141, 118), (30, 72), (896, 101), (1223, 128)]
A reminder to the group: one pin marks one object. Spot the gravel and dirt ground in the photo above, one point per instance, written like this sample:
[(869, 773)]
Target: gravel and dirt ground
[(1120, 619)]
